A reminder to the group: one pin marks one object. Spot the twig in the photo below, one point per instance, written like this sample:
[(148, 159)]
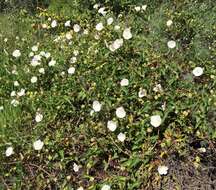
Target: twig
[(40, 168)]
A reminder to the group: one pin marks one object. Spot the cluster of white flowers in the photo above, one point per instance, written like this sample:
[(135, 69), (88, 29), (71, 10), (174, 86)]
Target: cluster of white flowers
[(37, 145), (140, 8)]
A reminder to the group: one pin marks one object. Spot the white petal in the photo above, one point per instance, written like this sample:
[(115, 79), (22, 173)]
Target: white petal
[(198, 71), (109, 21), (169, 23), (163, 170), (120, 112), (38, 145), (127, 34), (121, 137), (171, 44), (9, 151), (142, 93), (96, 106), (105, 187), (16, 53), (155, 120), (111, 125), (34, 79), (71, 70), (38, 117), (99, 26), (75, 167), (124, 82), (76, 28)]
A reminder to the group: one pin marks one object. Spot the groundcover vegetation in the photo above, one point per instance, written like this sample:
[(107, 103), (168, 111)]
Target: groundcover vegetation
[(108, 95)]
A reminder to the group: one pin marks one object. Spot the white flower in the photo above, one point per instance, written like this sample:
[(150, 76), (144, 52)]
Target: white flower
[(97, 37), (21, 92), (96, 6), (34, 48), (76, 52), (37, 57), (80, 188), (54, 24), (144, 7), (109, 21), (41, 70), (162, 170), (124, 82), (15, 103), (155, 120), (96, 106), (68, 23), (142, 93), (34, 79), (14, 72), (116, 27), (163, 106), (35, 62), (75, 167), (16, 53), (198, 71), (31, 54), (73, 60), (68, 36), (13, 93), (116, 45), (171, 44), (38, 145), (92, 112), (202, 149), (38, 117), (112, 125), (52, 63), (121, 137), (71, 70), (9, 151), (158, 88), (120, 112), (1, 108), (5, 40), (102, 11), (127, 34), (42, 53), (76, 27), (16, 83), (99, 26), (106, 187), (47, 55), (44, 26), (169, 23), (85, 31), (137, 8)]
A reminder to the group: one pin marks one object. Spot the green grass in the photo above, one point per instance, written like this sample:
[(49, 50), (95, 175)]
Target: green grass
[(69, 132)]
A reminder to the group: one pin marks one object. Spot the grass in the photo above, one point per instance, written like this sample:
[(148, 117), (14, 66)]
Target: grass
[(70, 133)]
